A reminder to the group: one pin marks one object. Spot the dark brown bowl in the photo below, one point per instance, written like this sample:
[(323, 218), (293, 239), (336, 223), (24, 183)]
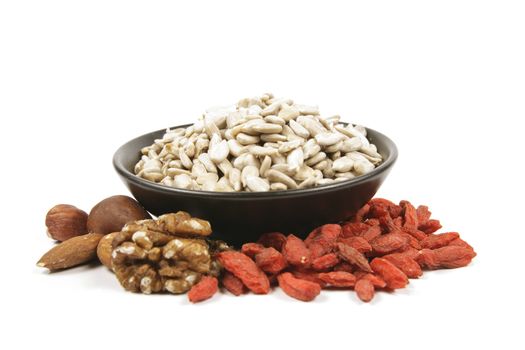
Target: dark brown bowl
[(238, 217)]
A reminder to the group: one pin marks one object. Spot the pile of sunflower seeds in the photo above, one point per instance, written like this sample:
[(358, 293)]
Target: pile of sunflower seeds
[(260, 144)]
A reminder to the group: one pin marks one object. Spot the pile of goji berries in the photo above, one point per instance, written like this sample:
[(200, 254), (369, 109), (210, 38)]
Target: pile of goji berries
[(380, 248)]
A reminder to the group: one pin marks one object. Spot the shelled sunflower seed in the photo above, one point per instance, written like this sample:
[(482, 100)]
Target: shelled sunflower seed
[(260, 144)]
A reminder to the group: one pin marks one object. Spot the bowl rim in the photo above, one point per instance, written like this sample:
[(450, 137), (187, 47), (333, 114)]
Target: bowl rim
[(122, 171)]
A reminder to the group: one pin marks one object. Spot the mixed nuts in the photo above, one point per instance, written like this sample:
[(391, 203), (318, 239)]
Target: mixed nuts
[(260, 144), (380, 248)]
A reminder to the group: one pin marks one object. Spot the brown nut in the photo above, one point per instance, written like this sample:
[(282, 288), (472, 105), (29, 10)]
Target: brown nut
[(104, 249), (65, 221), (112, 213), (75, 251)]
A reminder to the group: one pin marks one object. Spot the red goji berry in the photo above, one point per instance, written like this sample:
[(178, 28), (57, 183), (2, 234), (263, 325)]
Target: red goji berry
[(297, 288), (372, 222), (412, 241), (393, 210), (388, 224), (344, 266), (308, 275), (430, 226), (232, 283), (394, 277), (352, 256), (409, 252), (325, 262), (434, 241), (388, 243), (358, 243), (406, 264), (252, 249), (340, 279), (365, 290), (423, 214), (351, 229), (361, 213), (461, 243), (398, 222), (372, 233), (246, 270), (417, 234), (410, 216), (296, 252), (377, 281), (272, 239), (270, 260), (204, 289), (322, 240), (448, 257)]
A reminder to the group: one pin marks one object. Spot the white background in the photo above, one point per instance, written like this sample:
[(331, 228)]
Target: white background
[(444, 79)]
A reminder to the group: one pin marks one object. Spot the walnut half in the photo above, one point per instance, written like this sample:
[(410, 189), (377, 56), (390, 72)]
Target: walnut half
[(169, 254)]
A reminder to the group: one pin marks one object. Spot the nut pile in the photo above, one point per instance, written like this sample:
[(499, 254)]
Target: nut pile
[(380, 248), (169, 254), (80, 233), (259, 144)]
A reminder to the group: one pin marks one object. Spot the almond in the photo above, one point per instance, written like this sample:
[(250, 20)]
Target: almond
[(75, 251)]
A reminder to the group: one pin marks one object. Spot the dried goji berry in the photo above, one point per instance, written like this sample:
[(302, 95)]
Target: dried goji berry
[(394, 277), (461, 243), (354, 229), (410, 216), (448, 257), (246, 270), (409, 252), (344, 266), (393, 210), (308, 275), (390, 242), (325, 262), (372, 233), (412, 241), (430, 226), (387, 224), (232, 283), (322, 240), (365, 290), (251, 249), (272, 239), (358, 243), (340, 279), (417, 234), (296, 252), (379, 211), (406, 264), (423, 214), (361, 213), (204, 289), (298, 288), (372, 222), (398, 221), (270, 260), (377, 281), (440, 240), (352, 256)]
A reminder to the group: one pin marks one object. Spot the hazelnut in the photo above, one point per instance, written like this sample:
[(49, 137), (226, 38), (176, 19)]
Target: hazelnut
[(112, 213), (65, 221)]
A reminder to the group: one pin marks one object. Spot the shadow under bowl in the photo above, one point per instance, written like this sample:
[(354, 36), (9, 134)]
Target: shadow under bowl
[(239, 217)]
